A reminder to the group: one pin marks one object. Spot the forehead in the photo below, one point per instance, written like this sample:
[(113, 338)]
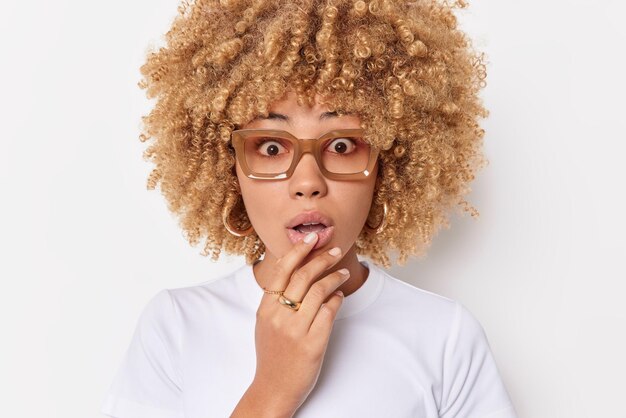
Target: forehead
[(287, 112)]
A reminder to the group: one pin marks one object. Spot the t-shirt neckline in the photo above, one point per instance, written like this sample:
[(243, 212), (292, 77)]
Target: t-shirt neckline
[(352, 304)]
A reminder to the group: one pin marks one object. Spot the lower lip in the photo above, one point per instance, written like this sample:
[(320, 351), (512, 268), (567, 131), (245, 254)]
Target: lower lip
[(323, 237)]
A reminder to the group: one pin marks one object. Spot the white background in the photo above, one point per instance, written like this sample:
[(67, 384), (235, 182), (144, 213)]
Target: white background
[(84, 246)]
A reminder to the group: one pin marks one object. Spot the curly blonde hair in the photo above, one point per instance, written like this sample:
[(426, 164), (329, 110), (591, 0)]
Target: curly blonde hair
[(403, 67)]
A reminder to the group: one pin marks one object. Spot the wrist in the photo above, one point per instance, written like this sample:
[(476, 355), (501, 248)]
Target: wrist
[(260, 402), (270, 403)]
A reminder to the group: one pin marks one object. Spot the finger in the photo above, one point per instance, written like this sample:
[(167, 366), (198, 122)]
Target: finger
[(322, 325), (318, 293), (286, 265), (303, 278)]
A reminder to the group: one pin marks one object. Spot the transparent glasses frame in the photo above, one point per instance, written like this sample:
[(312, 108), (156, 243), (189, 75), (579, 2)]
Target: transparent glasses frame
[(301, 146)]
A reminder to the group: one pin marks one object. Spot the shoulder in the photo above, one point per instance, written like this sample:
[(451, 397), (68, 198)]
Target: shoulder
[(169, 305), (222, 284), (229, 296), (418, 302), (445, 317)]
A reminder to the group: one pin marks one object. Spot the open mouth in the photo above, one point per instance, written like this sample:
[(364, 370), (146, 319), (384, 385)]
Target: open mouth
[(324, 233), (307, 228)]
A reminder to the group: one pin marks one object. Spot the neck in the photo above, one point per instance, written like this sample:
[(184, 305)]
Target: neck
[(358, 273)]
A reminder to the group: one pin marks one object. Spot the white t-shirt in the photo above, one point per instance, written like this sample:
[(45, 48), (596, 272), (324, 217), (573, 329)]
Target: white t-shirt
[(395, 351)]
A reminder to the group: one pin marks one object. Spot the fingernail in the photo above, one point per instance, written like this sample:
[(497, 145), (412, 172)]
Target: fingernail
[(310, 238), (339, 292), (345, 272), (335, 251)]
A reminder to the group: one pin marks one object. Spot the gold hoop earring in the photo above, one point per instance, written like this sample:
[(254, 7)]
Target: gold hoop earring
[(229, 228), (378, 229)]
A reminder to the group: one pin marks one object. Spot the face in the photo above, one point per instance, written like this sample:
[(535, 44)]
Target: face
[(271, 205)]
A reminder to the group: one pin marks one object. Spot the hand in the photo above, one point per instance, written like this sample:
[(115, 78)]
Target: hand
[(290, 345)]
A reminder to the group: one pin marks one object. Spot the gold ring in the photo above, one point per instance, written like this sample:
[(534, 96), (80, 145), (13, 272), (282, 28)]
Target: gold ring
[(289, 303)]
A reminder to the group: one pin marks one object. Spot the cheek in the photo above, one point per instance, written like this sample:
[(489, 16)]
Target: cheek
[(354, 206), (256, 195), (248, 192)]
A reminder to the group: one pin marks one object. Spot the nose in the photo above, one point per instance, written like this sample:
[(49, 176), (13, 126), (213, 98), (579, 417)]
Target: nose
[(307, 180)]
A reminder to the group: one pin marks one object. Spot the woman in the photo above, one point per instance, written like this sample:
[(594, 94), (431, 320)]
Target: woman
[(300, 134)]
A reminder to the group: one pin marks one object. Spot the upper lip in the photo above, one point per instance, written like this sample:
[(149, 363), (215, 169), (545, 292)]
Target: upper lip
[(310, 217)]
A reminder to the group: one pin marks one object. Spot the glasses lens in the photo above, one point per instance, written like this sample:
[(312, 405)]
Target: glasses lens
[(273, 155), (268, 154), (345, 154)]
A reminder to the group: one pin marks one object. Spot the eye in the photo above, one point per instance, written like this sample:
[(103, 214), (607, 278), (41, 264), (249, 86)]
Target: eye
[(342, 145), (270, 147)]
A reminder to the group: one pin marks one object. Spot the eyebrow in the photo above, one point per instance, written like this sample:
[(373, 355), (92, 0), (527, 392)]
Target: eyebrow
[(280, 116)]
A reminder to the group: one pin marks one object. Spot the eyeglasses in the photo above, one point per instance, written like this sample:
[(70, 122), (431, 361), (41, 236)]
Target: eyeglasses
[(268, 154)]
